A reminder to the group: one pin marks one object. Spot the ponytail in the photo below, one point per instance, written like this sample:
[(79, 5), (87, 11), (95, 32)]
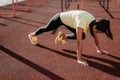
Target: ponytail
[(108, 32)]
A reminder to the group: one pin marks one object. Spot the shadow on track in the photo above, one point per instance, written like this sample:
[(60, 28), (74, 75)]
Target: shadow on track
[(58, 52), (3, 24), (38, 68), (115, 70)]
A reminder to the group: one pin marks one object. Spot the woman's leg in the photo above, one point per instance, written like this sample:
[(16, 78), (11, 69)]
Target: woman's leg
[(54, 23), (73, 35), (61, 37)]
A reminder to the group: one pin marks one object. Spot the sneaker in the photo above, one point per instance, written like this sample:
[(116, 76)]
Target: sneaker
[(61, 38), (33, 39)]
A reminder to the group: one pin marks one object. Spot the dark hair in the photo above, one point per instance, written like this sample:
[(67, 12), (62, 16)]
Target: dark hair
[(91, 25), (102, 25)]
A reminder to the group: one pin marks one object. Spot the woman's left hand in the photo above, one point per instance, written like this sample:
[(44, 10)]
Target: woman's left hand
[(102, 51)]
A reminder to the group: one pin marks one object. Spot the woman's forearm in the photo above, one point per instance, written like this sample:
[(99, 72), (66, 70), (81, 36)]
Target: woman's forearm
[(97, 43), (79, 52), (79, 42)]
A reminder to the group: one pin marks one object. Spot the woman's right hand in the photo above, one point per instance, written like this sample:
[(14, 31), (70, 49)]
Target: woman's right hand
[(83, 62)]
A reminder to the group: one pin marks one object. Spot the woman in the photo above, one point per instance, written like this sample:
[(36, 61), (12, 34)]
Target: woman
[(79, 22)]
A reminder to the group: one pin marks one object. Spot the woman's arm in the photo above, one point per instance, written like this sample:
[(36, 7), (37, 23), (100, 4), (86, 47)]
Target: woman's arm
[(79, 42), (95, 38), (79, 32), (99, 50)]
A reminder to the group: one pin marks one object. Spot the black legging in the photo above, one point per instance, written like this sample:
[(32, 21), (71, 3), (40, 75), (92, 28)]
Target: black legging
[(54, 23)]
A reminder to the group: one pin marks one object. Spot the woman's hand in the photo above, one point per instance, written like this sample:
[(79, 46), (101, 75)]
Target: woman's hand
[(102, 51), (83, 62)]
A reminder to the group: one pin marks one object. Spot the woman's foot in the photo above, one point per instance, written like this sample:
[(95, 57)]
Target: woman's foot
[(33, 38), (61, 38)]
